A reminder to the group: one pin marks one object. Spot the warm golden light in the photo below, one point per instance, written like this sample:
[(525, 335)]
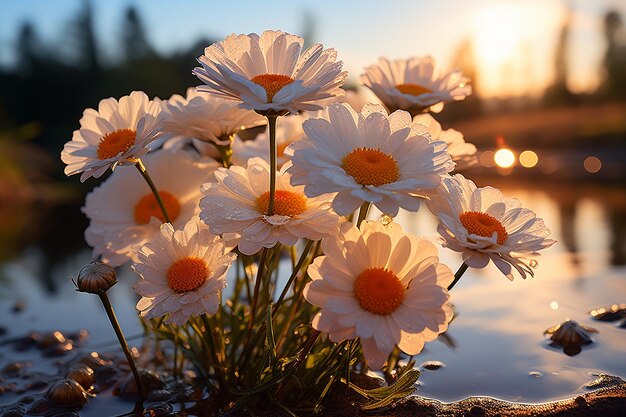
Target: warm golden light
[(504, 36), (504, 158), (528, 159), (554, 305), (592, 164)]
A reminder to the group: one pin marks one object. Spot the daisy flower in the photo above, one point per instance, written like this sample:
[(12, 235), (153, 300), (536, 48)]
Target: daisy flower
[(414, 84), (238, 203), (367, 157), (124, 213), (288, 130), (462, 153), (205, 117), (116, 133), (483, 225), (181, 273), (382, 285), (270, 73)]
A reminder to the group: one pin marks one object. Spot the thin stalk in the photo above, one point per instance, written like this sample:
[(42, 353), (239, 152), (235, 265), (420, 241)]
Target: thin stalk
[(458, 275), (213, 348), (301, 359), (226, 151), (294, 274), (144, 173), (120, 337), (363, 213), (257, 287), (271, 121)]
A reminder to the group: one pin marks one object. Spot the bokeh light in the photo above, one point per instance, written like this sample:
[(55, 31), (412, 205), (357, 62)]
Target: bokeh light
[(528, 159), (504, 158), (487, 159), (592, 164)]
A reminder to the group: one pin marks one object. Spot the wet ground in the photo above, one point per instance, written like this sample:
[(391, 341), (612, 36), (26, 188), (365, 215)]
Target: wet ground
[(495, 346)]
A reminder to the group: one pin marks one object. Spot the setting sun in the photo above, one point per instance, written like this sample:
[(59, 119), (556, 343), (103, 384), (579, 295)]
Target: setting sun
[(505, 36)]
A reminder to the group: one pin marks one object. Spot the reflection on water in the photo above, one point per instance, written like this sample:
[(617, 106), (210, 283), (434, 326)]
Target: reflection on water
[(495, 345)]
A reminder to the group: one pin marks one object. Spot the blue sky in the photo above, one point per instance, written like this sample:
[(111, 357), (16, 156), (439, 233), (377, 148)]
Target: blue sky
[(360, 30)]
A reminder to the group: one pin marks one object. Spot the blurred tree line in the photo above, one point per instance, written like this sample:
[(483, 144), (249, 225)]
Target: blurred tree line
[(51, 86)]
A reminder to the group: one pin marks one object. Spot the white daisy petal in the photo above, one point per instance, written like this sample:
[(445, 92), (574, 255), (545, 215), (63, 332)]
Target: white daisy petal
[(484, 226), (361, 294), (116, 134), (239, 201), (270, 72), (358, 156)]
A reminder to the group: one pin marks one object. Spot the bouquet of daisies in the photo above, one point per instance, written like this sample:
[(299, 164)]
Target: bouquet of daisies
[(246, 221)]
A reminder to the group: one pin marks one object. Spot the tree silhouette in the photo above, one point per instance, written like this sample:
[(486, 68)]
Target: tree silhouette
[(558, 92), (134, 40), (85, 35), (28, 49), (615, 56)]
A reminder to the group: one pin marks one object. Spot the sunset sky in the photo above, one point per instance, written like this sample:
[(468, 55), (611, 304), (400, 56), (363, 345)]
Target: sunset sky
[(513, 40)]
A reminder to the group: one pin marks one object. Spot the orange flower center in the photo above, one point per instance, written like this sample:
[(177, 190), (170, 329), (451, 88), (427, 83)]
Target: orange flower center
[(379, 291), (413, 89), (272, 83), (286, 203), (148, 207), (187, 274), (114, 143), (482, 224), (371, 167)]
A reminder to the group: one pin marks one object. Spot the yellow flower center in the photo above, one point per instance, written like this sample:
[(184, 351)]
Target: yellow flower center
[(148, 207), (272, 83), (413, 89), (115, 143), (371, 167), (286, 203), (482, 224), (187, 274), (379, 291)]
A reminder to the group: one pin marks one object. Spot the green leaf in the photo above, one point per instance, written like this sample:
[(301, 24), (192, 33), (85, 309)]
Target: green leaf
[(386, 396)]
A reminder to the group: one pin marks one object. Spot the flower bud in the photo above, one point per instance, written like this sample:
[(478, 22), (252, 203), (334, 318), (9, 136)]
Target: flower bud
[(96, 278), (68, 393)]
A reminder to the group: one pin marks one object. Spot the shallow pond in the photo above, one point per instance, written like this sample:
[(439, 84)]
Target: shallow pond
[(495, 346)]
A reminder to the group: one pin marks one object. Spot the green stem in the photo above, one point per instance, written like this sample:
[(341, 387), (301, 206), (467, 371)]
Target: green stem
[(458, 275), (213, 348), (294, 274), (120, 337), (144, 173), (362, 213), (271, 121), (226, 151), (257, 287)]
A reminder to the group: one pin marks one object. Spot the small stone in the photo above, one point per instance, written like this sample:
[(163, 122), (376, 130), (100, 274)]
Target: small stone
[(432, 365), (67, 393), (82, 374), (58, 350), (94, 361), (150, 380), (580, 401), (158, 410), (51, 339), (18, 306), (14, 368), (476, 411), (610, 313)]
